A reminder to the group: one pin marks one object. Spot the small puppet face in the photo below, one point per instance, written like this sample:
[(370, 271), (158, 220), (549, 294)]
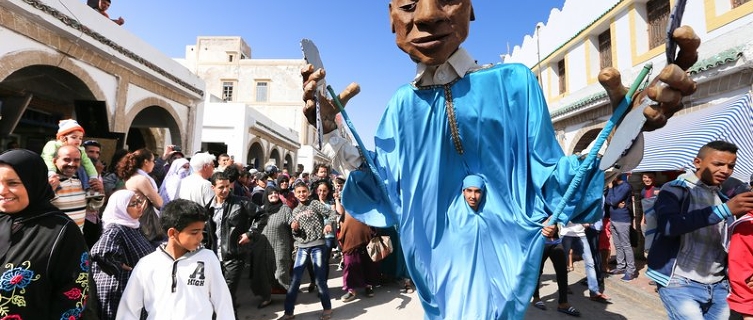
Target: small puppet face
[(430, 31)]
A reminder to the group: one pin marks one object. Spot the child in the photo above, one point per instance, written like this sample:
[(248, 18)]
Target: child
[(308, 227), (741, 267), (179, 280), (70, 133)]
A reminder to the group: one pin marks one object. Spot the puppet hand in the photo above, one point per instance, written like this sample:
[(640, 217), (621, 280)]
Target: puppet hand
[(669, 87), (327, 106)]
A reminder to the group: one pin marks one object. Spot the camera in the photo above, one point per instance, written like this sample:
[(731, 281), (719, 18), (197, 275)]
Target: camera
[(177, 148)]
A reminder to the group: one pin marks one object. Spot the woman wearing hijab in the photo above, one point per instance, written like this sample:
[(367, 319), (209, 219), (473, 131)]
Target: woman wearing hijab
[(279, 234), (118, 249), (134, 168), (44, 261), (286, 195), (179, 169)]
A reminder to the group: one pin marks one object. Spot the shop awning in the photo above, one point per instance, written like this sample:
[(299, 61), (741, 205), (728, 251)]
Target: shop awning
[(675, 146)]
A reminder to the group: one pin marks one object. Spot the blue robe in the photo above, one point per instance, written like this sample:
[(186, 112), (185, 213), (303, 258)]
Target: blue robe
[(470, 264)]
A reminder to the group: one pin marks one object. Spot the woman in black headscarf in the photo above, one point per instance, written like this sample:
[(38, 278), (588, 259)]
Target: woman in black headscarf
[(44, 262), (279, 234)]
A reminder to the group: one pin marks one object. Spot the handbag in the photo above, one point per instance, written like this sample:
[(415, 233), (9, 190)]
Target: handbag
[(151, 226), (379, 248)]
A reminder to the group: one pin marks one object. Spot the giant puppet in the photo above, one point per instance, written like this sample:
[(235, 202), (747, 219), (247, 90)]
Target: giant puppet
[(456, 119)]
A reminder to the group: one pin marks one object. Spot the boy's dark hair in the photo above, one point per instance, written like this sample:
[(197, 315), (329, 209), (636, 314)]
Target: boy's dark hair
[(179, 213), (300, 184), (232, 173), (218, 176), (717, 145)]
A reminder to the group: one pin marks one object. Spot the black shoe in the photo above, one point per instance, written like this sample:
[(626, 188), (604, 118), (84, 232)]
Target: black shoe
[(369, 291), (617, 271), (348, 297), (312, 287), (627, 278)]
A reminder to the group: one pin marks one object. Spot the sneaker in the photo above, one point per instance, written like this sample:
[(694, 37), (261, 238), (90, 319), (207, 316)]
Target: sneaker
[(340, 266), (627, 278), (369, 291), (617, 271), (348, 296)]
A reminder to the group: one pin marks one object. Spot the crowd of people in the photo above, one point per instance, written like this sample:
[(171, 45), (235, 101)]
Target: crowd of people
[(147, 219), (174, 239)]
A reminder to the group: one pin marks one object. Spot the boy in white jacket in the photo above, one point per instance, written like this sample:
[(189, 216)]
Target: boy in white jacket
[(178, 280)]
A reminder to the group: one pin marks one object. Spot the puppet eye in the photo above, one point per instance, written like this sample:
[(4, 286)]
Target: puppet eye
[(408, 7)]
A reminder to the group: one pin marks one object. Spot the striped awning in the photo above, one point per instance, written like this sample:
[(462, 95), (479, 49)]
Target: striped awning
[(675, 146)]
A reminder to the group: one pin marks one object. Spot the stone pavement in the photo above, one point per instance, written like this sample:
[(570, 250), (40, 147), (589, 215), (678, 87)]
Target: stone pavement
[(634, 300)]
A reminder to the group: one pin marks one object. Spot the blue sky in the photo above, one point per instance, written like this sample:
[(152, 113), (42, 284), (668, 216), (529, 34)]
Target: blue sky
[(353, 37)]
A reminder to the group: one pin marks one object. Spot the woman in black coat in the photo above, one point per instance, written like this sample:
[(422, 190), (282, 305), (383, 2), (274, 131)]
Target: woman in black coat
[(44, 261)]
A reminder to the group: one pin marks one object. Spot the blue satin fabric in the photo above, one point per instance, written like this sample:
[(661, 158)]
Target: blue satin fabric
[(466, 264)]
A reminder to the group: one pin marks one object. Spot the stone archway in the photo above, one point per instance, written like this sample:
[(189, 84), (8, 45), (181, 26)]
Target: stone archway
[(584, 137), (274, 156), (255, 155), (149, 118), (38, 89), (288, 164)]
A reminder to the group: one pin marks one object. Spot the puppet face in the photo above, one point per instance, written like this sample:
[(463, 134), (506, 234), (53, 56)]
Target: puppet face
[(429, 31)]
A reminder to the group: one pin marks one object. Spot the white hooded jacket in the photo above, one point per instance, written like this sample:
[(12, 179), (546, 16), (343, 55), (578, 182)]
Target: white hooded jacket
[(191, 287)]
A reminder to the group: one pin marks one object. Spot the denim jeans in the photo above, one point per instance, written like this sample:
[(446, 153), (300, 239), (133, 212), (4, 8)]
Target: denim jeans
[(302, 256), (685, 299), (588, 261)]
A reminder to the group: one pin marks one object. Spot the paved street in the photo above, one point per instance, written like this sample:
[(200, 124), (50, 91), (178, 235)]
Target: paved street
[(627, 302)]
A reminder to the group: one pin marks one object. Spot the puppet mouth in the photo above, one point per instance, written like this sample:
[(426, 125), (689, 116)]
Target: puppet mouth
[(429, 42)]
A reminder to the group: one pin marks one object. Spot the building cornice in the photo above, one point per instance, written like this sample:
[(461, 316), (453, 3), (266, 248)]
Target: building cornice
[(76, 25)]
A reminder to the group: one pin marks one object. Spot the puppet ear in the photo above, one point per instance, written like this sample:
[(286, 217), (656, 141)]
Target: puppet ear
[(473, 17), (392, 23)]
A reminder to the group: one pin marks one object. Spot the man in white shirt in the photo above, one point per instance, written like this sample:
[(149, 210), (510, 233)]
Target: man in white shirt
[(196, 187)]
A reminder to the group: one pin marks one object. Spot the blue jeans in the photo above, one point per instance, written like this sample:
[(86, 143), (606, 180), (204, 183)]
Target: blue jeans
[(588, 260), (685, 299), (302, 256)]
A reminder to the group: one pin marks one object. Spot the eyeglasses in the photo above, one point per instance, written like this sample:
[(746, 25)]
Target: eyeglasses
[(136, 203)]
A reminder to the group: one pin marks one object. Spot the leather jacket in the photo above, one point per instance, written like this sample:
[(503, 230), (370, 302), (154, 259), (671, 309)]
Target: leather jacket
[(238, 215)]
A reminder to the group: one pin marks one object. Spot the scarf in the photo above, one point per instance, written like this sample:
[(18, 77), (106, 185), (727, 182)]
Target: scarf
[(116, 211), (32, 171), (169, 188), (271, 207)]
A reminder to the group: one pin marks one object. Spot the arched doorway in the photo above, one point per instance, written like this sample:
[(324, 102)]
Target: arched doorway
[(289, 163), (586, 139), (35, 98), (255, 155), (150, 127), (274, 156)]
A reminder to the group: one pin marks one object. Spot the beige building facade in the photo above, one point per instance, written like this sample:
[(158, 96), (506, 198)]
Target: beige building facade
[(255, 110), (60, 61)]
